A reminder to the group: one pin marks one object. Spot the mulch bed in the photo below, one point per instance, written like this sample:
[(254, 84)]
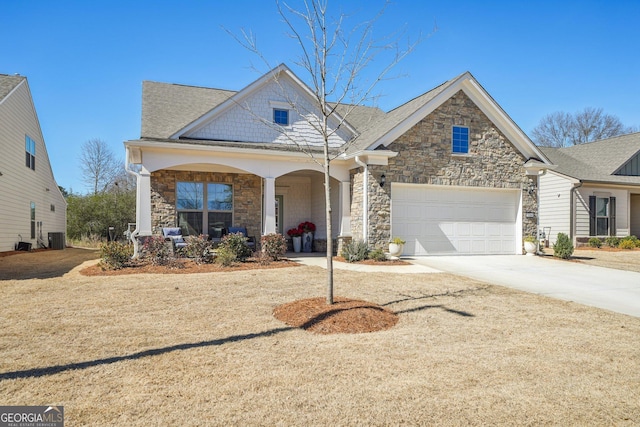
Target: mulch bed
[(186, 266), (374, 262), (344, 316)]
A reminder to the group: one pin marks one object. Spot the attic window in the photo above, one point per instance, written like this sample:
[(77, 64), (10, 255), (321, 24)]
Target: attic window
[(281, 117), (460, 140)]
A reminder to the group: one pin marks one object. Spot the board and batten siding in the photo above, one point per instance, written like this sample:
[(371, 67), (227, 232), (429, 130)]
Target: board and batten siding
[(555, 205), (582, 209), (20, 185)]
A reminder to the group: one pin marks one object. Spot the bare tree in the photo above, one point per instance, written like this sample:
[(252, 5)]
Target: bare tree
[(99, 166), (334, 59), (562, 129)]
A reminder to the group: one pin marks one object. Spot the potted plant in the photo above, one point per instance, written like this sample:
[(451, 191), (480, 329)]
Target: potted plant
[(296, 238), (530, 245), (396, 246), (307, 235)]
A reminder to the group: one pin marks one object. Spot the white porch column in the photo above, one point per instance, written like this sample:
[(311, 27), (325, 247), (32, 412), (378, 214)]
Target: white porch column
[(345, 209), (269, 206), (143, 203)]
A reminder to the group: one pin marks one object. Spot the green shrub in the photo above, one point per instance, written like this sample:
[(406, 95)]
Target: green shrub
[(563, 247), (594, 242), (157, 251), (627, 244), (115, 255), (236, 243), (377, 255), (612, 241), (634, 240), (225, 257), (274, 246), (354, 251), (199, 249)]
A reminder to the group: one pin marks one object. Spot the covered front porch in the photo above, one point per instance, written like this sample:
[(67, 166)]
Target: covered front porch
[(264, 195)]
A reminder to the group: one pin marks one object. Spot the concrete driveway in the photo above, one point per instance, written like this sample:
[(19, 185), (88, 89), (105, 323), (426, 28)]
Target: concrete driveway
[(614, 290)]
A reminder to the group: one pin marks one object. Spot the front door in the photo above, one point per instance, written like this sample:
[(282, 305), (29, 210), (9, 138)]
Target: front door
[(279, 214)]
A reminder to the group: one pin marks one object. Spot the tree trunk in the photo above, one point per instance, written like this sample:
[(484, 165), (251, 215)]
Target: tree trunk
[(327, 201)]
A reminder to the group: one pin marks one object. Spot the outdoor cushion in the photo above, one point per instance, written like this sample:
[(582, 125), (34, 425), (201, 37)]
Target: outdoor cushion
[(242, 230), (175, 235)]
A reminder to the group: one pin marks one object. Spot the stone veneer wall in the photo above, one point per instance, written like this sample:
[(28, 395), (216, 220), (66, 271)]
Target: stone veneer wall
[(424, 157), (247, 197)]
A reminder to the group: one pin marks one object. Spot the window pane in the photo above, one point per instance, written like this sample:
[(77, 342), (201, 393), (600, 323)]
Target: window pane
[(217, 221), (602, 226), (281, 117), (219, 197), (190, 223), (602, 205), (189, 195), (460, 143)]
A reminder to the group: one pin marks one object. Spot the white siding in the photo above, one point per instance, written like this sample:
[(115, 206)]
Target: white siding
[(242, 122), (303, 199), (555, 204), (296, 192), (19, 185), (582, 209), (635, 215)]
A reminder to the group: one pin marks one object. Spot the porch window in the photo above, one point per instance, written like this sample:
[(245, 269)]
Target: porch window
[(195, 216), (602, 215)]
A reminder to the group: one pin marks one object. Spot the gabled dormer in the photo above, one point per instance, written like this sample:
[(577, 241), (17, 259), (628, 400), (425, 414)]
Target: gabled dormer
[(631, 167), (278, 100)]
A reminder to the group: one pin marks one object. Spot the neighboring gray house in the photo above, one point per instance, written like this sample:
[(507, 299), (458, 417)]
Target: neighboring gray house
[(449, 171), (594, 190), (31, 204)]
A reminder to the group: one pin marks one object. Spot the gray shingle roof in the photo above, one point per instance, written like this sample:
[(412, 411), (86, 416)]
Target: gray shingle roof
[(384, 124), (597, 161), (167, 108), (8, 83)]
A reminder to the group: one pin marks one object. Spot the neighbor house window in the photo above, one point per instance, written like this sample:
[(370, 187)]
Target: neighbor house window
[(33, 220), (281, 117), (203, 207), (30, 150), (602, 216), (460, 140)]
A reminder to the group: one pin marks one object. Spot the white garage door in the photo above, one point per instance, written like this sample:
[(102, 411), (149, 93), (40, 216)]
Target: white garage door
[(452, 220)]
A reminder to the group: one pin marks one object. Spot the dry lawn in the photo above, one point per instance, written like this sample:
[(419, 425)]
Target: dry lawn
[(205, 349)]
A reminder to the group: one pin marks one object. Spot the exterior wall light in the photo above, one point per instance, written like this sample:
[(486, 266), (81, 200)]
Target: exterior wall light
[(383, 179)]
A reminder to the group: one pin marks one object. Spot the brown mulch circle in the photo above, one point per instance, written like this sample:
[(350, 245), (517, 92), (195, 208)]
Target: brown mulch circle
[(344, 316), (186, 266)]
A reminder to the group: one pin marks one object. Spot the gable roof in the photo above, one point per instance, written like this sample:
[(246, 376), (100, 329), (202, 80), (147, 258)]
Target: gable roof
[(401, 119), (171, 110), (597, 161), (168, 107), (9, 83)]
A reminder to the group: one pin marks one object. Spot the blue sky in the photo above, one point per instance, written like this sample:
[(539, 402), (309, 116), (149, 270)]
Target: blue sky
[(86, 60)]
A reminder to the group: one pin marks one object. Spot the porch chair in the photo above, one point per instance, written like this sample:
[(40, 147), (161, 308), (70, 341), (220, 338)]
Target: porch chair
[(251, 242), (174, 235)]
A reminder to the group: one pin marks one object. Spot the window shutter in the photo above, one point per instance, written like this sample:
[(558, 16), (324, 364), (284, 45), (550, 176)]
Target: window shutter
[(592, 215), (612, 216)]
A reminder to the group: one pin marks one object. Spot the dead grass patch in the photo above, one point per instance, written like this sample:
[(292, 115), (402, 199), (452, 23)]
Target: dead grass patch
[(205, 349)]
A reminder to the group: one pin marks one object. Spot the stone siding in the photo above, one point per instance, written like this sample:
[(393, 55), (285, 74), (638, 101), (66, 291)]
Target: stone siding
[(424, 157), (247, 197)]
